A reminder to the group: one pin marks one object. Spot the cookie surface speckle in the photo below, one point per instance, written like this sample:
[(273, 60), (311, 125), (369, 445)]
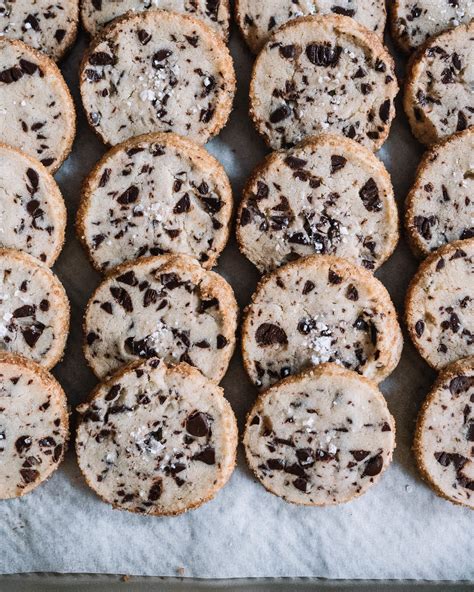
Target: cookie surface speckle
[(439, 310), (157, 440), (33, 425), (157, 71), (320, 438), (315, 310), (50, 26), (166, 306), (438, 95), (34, 309), (179, 201), (440, 206), (328, 195), (32, 210), (97, 13), (414, 21), (444, 439), (37, 111), (258, 20), (323, 74)]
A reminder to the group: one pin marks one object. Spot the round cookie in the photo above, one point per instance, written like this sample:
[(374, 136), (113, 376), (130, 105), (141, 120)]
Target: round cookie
[(36, 108), (33, 425), (439, 305), (166, 306), (258, 20), (440, 207), (438, 95), (32, 210), (323, 74), (320, 438), (34, 309), (157, 440), (320, 309), (157, 71), (97, 13), (414, 21), (328, 195), (50, 26), (155, 194), (444, 438)]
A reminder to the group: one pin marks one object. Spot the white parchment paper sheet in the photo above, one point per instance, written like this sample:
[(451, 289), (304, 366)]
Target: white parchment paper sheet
[(400, 529)]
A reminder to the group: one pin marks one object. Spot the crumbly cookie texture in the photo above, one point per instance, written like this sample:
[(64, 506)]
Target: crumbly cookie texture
[(33, 425), (323, 74), (328, 195), (32, 210), (155, 194), (258, 20), (157, 440), (440, 206), (438, 95), (157, 71), (36, 108), (320, 438), (320, 309), (34, 309), (439, 310), (50, 26), (166, 306), (444, 439), (414, 21), (97, 13)]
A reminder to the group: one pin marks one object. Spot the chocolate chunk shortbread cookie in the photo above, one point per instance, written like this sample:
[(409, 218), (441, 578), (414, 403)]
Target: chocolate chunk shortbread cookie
[(166, 306), (50, 26), (414, 21), (157, 71), (444, 439), (151, 195), (323, 74), (439, 305), (440, 205), (320, 309), (36, 108), (157, 440), (34, 309), (32, 210), (257, 20), (328, 195), (320, 438), (33, 425), (97, 13), (439, 99)]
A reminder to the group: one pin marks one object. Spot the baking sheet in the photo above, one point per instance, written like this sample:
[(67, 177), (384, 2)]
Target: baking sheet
[(399, 529)]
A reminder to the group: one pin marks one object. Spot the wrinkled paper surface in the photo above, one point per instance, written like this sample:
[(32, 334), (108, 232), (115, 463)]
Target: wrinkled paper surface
[(399, 529)]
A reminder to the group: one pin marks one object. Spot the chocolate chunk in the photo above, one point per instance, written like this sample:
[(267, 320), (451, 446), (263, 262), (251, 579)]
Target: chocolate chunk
[(359, 455), (334, 278), (280, 114), (129, 278), (369, 194), (207, 456), (323, 54), (26, 310), (373, 466), (308, 287), (101, 58), (183, 205), (384, 111), (197, 424), (270, 334), (155, 491), (352, 293), (29, 475), (288, 51), (129, 196), (302, 484), (143, 36), (221, 341), (122, 297), (33, 333), (337, 163), (22, 444), (295, 163)]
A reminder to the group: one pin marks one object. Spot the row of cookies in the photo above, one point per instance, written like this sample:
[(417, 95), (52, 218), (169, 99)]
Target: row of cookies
[(52, 28)]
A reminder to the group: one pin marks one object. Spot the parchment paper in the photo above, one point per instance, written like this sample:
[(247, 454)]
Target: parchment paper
[(399, 529)]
